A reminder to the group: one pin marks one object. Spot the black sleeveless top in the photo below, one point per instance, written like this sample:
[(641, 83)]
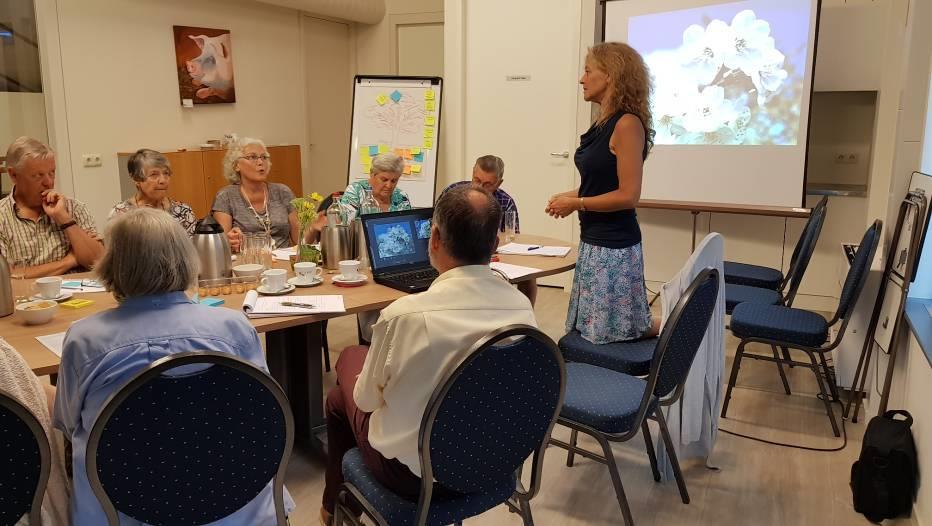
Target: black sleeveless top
[(598, 170)]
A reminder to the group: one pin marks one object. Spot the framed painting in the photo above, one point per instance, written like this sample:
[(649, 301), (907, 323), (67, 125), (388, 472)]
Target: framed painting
[(204, 60)]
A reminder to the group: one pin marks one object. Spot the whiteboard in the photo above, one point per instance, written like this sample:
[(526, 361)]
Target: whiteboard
[(400, 115)]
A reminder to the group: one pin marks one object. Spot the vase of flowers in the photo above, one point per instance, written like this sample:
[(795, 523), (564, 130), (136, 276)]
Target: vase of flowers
[(306, 208)]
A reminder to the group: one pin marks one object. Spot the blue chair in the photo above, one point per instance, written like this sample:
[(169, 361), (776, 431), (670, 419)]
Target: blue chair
[(632, 357), (789, 328), (201, 444), (770, 278), (25, 464), (482, 422), (612, 407)]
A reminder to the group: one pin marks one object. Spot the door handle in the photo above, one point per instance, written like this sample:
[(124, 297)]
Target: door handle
[(564, 154)]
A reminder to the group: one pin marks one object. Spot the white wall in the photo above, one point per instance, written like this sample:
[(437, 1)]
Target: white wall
[(120, 84)]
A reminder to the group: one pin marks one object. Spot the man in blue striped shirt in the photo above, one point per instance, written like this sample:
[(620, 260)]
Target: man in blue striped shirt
[(488, 174)]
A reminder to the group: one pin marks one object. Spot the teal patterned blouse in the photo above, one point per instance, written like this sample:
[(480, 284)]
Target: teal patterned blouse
[(353, 196)]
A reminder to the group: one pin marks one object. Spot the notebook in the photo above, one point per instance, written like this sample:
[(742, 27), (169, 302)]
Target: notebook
[(256, 306)]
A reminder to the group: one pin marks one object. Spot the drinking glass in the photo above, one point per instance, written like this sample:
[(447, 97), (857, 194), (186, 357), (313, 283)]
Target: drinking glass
[(21, 288), (511, 225)]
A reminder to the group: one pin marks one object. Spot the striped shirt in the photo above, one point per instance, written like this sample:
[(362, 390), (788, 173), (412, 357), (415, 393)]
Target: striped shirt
[(504, 200), (42, 241)]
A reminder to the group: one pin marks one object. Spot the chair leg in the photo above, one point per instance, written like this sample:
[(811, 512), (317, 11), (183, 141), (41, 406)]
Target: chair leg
[(616, 480), (787, 356), (786, 385), (570, 454), (338, 515), (733, 378), (325, 345), (525, 511), (828, 378), (825, 397), (671, 452), (651, 454)]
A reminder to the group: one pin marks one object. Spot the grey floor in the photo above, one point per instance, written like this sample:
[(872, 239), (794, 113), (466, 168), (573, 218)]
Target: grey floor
[(755, 483)]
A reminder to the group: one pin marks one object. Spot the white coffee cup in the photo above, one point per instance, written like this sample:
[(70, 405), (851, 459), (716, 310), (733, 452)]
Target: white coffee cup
[(49, 288), (273, 279), (307, 271), (248, 269), (349, 269)]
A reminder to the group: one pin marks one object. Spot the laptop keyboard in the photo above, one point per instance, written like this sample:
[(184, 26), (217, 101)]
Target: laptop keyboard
[(415, 276)]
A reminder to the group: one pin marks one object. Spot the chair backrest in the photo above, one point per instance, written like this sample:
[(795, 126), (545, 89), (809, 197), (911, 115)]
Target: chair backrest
[(24, 464), (490, 413), (857, 273), (681, 336), (802, 254), (201, 442)]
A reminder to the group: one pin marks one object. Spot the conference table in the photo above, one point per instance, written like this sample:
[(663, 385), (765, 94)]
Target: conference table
[(293, 343)]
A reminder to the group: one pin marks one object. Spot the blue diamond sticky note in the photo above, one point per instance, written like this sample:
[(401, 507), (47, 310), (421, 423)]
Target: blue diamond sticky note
[(396, 95), (419, 157), (374, 150)]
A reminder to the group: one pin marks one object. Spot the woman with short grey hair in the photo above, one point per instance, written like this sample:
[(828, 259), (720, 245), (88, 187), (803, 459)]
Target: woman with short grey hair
[(148, 264), (383, 179), (152, 173), (250, 203)]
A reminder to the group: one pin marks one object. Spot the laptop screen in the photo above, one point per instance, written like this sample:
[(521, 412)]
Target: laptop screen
[(397, 241)]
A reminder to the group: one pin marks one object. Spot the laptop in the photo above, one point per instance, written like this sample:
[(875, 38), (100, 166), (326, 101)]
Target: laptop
[(397, 244)]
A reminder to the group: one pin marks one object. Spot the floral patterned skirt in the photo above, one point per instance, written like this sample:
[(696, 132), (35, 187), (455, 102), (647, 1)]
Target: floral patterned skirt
[(609, 298)]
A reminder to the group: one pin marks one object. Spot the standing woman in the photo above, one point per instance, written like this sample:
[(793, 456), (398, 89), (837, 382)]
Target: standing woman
[(152, 174), (609, 298), (250, 203)]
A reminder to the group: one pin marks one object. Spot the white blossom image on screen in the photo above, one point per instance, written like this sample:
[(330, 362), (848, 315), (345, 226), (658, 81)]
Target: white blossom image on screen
[(394, 240), (723, 78)]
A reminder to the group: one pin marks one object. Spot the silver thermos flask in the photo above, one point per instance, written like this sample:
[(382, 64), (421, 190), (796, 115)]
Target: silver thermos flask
[(213, 249), (6, 288)]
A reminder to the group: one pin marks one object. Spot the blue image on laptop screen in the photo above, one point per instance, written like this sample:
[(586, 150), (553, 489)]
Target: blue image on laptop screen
[(399, 240)]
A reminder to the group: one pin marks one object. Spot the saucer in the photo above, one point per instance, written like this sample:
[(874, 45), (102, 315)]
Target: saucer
[(338, 281), (261, 289), (65, 294), (304, 284)]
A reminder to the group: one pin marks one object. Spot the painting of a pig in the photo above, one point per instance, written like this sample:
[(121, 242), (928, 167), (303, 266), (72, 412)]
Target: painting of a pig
[(204, 60)]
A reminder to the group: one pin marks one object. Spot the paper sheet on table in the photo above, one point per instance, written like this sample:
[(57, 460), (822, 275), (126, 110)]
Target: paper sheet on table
[(76, 286), (520, 249), (282, 254), (513, 271), (53, 342), (256, 306)]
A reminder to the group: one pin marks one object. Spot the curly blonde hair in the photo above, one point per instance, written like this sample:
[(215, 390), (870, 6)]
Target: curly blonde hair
[(629, 86)]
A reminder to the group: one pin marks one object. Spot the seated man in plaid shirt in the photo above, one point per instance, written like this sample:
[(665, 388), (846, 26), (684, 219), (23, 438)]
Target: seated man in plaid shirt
[(488, 174)]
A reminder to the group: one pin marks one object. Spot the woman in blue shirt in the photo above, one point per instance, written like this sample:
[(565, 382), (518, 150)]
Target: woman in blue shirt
[(148, 265)]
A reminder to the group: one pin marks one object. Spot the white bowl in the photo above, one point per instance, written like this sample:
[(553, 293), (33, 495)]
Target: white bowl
[(248, 269), (37, 312)]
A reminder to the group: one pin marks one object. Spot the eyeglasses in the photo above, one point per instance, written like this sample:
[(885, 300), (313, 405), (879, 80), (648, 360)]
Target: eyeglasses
[(255, 158), (154, 175)]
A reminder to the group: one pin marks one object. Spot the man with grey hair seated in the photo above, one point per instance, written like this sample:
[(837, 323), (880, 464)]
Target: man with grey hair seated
[(382, 391), (40, 228), (148, 265)]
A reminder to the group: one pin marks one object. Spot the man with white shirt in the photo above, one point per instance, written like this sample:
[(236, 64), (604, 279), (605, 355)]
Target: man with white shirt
[(382, 391)]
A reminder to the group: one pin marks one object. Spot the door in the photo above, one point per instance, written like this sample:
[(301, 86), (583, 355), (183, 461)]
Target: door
[(416, 44), (329, 103), (526, 89)]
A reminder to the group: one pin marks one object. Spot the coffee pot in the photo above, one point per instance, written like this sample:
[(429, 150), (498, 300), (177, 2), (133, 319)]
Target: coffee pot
[(213, 249), (336, 245), (6, 288)]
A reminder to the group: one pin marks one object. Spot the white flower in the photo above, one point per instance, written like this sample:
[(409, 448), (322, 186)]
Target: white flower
[(710, 111), (702, 52), (748, 44), (770, 75)]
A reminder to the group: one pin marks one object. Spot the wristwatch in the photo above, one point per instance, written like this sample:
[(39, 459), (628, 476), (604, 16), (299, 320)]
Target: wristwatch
[(67, 225)]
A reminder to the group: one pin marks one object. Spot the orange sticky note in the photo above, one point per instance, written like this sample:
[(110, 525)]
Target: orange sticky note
[(407, 170), (429, 95), (415, 168), (430, 105), (428, 144), (399, 152), (407, 154)]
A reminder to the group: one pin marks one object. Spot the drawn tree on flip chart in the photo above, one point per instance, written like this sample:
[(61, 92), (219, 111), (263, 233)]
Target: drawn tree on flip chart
[(398, 124)]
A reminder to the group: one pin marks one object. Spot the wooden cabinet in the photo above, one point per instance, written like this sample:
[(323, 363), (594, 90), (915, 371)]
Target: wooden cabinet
[(198, 175)]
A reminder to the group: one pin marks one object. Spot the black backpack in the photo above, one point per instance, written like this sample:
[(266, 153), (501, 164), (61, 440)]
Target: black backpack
[(884, 479)]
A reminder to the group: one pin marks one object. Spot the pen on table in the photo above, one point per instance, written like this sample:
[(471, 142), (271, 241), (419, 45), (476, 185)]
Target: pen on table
[(533, 248), (295, 304)]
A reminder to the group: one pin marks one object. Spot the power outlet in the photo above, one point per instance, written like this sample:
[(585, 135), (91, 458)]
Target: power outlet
[(91, 160), (845, 158)]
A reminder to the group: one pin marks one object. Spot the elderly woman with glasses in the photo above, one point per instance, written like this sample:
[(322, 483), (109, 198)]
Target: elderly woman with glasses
[(152, 173), (382, 183), (148, 265), (250, 203)]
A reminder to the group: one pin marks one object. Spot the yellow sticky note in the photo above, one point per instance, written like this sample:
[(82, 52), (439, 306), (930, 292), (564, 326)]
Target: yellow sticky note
[(381, 99), (429, 95), (428, 143), (428, 133), (415, 151), (415, 168), (430, 105), (383, 148), (366, 167), (363, 151), (365, 158), (430, 120), (407, 170)]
